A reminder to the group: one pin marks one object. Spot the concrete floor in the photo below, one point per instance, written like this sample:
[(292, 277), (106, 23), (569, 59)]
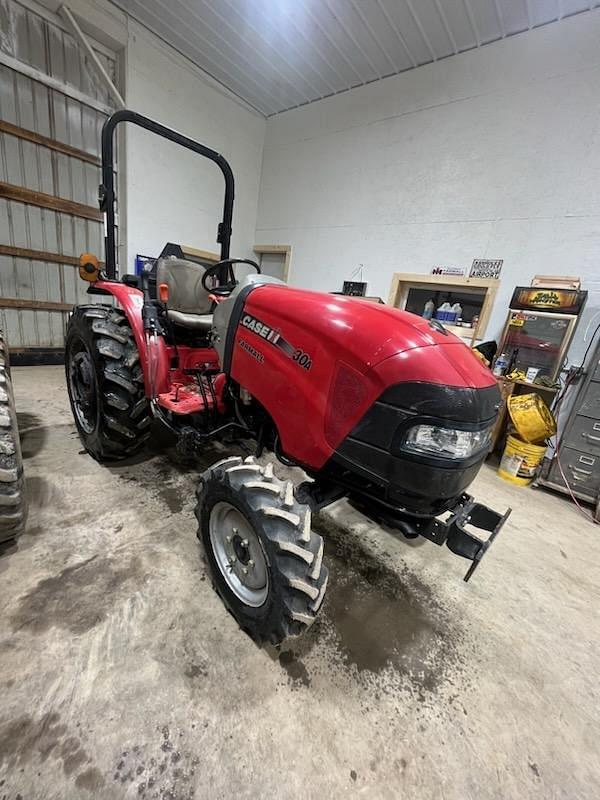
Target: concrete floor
[(122, 675)]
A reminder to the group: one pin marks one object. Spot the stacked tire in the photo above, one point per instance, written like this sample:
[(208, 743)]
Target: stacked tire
[(13, 502)]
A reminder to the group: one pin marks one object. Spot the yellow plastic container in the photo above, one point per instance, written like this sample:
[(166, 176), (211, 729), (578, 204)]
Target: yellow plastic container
[(520, 461), (531, 417)]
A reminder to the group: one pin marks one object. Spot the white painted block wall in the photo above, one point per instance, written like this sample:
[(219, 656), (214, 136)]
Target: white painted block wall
[(173, 194), (494, 153)]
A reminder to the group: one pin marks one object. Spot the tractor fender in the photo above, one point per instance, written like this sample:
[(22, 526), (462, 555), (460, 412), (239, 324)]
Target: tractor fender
[(131, 300)]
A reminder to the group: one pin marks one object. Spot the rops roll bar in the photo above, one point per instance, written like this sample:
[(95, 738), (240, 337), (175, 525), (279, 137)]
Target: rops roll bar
[(106, 192)]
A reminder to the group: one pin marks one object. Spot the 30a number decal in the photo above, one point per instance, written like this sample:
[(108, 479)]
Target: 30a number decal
[(302, 358)]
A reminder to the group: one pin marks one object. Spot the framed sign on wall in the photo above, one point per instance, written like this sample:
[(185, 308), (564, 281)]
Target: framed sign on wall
[(486, 268)]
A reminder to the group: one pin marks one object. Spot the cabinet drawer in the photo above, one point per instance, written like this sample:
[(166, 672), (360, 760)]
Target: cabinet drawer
[(585, 435), (590, 406), (582, 470)]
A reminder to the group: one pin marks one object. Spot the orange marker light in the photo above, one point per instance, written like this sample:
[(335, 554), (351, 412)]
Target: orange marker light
[(163, 292), (89, 269)]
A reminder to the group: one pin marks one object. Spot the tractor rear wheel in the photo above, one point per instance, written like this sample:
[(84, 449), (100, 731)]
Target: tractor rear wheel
[(13, 500), (105, 383), (266, 562)]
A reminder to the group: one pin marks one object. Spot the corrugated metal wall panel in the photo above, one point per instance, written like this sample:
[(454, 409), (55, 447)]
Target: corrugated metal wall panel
[(278, 55), (29, 104), (35, 41)]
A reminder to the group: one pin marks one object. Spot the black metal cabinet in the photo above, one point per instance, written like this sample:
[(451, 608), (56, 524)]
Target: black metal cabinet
[(579, 446)]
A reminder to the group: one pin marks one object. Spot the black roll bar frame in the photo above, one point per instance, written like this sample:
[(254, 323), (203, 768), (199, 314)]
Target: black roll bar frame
[(106, 191)]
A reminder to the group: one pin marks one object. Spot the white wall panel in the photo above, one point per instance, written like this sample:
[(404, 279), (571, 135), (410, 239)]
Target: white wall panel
[(173, 195), (492, 154)]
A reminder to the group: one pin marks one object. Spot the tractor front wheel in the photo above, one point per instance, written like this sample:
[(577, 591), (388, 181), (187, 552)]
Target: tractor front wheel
[(266, 562), (105, 383)]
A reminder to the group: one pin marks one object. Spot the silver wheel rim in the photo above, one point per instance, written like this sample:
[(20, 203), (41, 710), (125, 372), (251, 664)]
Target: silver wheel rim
[(239, 554)]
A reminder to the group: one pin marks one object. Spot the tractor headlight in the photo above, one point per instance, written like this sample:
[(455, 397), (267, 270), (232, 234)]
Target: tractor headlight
[(434, 440)]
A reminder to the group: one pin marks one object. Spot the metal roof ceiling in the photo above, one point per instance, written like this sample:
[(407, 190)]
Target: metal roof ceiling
[(279, 54)]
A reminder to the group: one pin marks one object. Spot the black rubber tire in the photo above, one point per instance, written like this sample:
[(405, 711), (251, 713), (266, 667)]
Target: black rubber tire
[(13, 497), (121, 418), (293, 552)]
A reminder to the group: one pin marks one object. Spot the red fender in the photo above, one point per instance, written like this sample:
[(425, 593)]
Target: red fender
[(131, 301)]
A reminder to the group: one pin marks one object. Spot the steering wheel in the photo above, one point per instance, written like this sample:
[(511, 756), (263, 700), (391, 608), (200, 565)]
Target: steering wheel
[(226, 288)]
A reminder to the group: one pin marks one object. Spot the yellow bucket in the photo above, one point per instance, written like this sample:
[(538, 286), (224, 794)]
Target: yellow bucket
[(531, 417), (520, 461)]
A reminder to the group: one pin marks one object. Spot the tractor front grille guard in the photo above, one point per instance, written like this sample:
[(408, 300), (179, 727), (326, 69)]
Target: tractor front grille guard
[(452, 530), (454, 533)]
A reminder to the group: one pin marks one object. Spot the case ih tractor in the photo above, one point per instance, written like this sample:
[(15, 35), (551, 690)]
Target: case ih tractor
[(374, 404)]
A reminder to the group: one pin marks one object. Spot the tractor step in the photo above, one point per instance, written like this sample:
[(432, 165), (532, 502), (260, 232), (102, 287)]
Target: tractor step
[(188, 398)]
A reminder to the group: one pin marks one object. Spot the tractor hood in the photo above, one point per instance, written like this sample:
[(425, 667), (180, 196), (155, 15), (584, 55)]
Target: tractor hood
[(318, 362), (357, 324), (367, 334)]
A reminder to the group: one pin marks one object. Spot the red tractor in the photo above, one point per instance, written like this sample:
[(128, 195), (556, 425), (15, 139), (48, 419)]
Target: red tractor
[(374, 404)]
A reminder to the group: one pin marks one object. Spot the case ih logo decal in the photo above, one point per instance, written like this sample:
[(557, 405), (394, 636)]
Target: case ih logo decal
[(258, 327), (275, 338)]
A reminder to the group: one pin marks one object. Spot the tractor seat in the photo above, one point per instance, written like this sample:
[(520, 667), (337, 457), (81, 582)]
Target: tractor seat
[(189, 304)]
